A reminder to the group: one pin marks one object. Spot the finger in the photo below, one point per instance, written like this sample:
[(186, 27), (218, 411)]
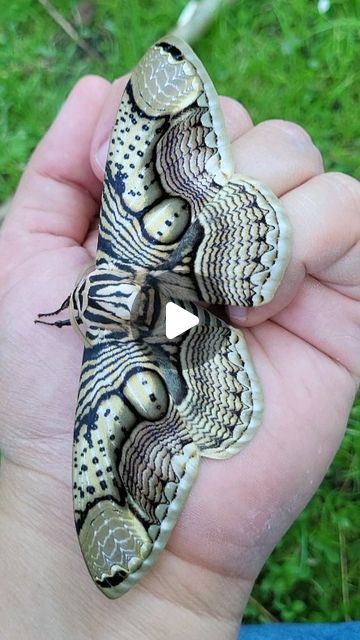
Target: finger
[(326, 221), (237, 122), (237, 119), (327, 320), (278, 153), (325, 217), (58, 193)]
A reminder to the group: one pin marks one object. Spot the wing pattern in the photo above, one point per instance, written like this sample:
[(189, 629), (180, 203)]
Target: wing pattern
[(176, 224)]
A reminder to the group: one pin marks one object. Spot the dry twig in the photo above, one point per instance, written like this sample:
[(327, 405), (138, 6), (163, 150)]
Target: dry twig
[(196, 18), (69, 30)]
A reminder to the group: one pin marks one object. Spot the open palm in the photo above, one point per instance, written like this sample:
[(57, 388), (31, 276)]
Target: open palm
[(305, 345)]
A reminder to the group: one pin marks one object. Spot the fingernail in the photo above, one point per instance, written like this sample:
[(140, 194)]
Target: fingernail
[(237, 313), (101, 155)]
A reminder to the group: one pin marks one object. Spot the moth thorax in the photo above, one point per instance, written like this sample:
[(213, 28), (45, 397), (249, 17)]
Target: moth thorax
[(113, 301), (105, 299)]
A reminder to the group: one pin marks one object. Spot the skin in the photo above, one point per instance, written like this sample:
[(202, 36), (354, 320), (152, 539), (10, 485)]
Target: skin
[(306, 348)]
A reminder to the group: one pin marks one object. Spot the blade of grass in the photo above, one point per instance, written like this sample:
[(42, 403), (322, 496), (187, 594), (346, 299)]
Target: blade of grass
[(263, 610), (344, 573)]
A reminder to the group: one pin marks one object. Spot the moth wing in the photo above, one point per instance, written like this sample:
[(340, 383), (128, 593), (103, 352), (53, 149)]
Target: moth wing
[(235, 252), (141, 223), (134, 463), (238, 244), (219, 396)]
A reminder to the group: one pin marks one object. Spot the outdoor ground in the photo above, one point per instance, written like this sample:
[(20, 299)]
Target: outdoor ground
[(280, 59)]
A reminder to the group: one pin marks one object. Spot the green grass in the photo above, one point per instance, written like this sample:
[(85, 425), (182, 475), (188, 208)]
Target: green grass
[(280, 59)]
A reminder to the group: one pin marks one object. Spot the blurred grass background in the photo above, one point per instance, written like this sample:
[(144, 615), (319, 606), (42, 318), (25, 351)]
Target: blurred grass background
[(296, 60)]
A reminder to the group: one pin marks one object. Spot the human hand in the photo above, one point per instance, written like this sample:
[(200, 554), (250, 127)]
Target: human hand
[(305, 345)]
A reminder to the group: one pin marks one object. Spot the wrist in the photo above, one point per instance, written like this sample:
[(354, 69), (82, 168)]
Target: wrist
[(193, 599)]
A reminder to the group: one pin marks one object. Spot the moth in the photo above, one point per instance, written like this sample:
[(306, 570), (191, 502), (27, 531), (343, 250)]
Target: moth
[(177, 224)]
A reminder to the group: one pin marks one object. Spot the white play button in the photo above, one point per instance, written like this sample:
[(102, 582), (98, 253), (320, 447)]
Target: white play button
[(178, 320)]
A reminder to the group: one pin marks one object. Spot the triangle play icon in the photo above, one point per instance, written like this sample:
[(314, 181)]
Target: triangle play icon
[(178, 320)]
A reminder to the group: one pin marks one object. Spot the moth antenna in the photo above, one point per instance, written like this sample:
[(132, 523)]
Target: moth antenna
[(64, 305), (57, 323)]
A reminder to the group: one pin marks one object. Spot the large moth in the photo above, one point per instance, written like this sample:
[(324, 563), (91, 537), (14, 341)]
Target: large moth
[(176, 224)]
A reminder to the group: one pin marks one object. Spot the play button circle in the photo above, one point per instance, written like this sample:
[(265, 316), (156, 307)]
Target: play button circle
[(178, 320)]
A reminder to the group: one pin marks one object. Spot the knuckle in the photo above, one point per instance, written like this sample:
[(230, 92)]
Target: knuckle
[(89, 83), (297, 136), (235, 109), (294, 130), (347, 187), (291, 129)]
